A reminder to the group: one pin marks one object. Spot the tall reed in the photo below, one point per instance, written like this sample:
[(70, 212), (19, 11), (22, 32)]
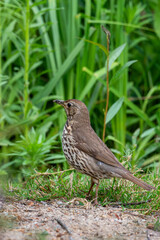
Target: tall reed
[(49, 59), (26, 63)]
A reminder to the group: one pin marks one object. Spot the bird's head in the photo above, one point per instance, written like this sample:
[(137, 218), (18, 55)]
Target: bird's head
[(75, 109)]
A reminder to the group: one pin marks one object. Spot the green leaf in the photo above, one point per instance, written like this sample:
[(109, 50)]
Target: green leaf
[(114, 109), (118, 23), (64, 67), (95, 76), (2, 172), (98, 45), (151, 160), (148, 132), (134, 107), (121, 70), (157, 20), (6, 165), (115, 54), (113, 139)]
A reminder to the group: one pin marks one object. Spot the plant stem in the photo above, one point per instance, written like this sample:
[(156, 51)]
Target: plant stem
[(119, 123), (26, 75), (107, 82)]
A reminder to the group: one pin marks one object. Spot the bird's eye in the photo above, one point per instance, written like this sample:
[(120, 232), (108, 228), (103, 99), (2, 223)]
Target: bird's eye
[(69, 104)]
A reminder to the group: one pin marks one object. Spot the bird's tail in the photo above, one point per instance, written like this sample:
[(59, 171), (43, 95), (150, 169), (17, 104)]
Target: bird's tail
[(139, 182)]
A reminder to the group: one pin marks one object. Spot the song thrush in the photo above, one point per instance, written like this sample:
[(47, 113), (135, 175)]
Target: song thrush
[(86, 152)]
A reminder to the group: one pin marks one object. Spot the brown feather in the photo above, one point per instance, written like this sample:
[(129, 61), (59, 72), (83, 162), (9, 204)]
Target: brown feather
[(79, 136), (88, 142), (137, 181)]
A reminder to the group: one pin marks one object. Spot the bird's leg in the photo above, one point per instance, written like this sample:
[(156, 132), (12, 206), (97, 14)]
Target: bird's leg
[(92, 184), (94, 181), (95, 201)]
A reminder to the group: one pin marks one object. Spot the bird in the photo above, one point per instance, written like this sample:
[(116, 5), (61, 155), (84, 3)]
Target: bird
[(86, 152)]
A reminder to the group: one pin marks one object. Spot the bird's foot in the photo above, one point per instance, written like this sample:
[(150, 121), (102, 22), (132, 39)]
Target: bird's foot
[(95, 202), (88, 197)]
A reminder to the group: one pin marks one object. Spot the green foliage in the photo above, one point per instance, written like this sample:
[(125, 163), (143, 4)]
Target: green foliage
[(70, 184), (32, 152), (48, 50), (114, 109)]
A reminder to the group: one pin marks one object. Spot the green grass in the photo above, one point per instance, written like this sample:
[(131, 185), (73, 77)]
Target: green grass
[(71, 184), (41, 60)]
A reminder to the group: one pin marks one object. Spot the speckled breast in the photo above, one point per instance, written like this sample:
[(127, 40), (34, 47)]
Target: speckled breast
[(76, 158), (71, 153)]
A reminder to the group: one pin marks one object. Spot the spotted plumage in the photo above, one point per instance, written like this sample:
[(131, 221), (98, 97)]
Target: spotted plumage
[(86, 152)]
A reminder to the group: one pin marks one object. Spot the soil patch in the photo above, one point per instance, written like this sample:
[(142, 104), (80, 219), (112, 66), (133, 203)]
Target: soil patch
[(73, 220)]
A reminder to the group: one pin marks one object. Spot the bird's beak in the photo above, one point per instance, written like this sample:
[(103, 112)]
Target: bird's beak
[(60, 102)]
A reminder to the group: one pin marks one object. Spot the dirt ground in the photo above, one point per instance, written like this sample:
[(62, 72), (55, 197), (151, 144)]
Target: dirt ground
[(54, 220)]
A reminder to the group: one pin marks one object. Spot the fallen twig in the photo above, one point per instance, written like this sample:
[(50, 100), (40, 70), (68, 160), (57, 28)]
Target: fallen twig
[(63, 225), (128, 204), (144, 209)]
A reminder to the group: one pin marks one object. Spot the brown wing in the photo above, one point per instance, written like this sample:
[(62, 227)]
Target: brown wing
[(88, 142)]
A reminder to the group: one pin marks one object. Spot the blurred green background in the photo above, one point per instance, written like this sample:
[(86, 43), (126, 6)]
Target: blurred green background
[(43, 56)]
